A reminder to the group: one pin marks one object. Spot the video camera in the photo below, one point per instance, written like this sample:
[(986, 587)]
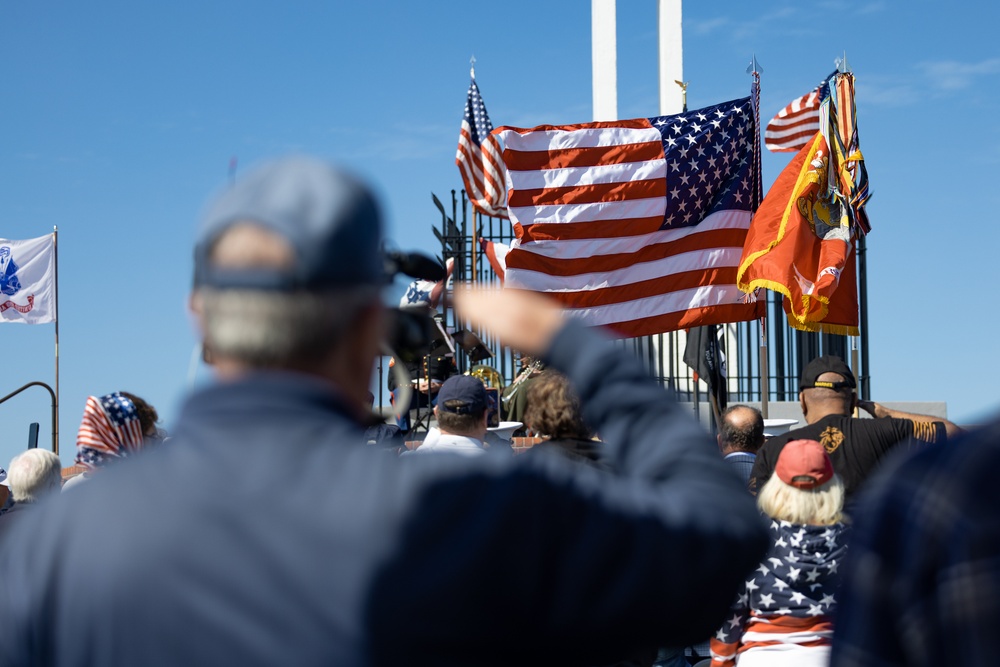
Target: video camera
[(412, 331)]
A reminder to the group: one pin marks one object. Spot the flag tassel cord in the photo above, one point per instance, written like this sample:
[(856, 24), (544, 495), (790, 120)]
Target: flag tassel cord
[(755, 71)]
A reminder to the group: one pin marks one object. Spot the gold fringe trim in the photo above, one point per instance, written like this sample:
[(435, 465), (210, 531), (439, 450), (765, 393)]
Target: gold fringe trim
[(798, 321), (824, 327), (782, 227)]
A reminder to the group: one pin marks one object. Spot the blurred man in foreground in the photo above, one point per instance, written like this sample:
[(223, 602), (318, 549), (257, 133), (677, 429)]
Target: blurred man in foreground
[(922, 580), (291, 543)]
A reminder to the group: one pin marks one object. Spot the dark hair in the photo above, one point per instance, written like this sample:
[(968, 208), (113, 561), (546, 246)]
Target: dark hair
[(147, 413), (455, 423), (744, 435), (554, 408)]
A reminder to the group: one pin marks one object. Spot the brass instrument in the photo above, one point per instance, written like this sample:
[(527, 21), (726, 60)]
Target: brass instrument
[(526, 372), (488, 375)]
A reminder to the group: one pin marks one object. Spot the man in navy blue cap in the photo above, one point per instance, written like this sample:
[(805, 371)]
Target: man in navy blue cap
[(461, 417), (268, 534)]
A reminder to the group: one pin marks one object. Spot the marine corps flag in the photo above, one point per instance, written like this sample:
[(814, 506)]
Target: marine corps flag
[(802, 238)]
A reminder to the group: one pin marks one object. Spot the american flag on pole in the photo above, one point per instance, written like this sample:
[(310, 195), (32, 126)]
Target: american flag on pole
[(794, 126), (635, 225), (481, 171)]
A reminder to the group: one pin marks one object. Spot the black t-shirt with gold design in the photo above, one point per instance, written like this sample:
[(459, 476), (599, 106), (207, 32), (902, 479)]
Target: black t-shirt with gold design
[(855, 446)]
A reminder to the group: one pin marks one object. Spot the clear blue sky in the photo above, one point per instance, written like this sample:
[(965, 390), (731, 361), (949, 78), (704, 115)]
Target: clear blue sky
[(119, 120)]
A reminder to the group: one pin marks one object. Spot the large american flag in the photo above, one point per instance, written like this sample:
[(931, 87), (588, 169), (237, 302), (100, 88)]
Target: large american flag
[(635, 225), (794, 126), (483, 177)]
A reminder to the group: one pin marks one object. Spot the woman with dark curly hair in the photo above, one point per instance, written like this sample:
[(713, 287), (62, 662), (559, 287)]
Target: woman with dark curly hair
[(553, 413)]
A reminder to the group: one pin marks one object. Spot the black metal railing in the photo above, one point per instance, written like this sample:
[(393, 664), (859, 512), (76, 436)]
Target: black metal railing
[(788, 349)]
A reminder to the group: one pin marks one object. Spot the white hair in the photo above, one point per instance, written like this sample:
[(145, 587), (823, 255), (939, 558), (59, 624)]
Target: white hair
[(820, 506), (279, 329), (33, 474)]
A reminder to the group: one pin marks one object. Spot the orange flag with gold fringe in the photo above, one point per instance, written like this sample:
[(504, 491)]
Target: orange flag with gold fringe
[(801, 241)]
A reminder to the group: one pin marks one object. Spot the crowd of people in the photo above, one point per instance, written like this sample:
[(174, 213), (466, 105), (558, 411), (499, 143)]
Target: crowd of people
[(264, 531)]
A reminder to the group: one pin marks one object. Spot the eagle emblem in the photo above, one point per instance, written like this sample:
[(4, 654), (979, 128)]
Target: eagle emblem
[(831, 438), (9, 283)]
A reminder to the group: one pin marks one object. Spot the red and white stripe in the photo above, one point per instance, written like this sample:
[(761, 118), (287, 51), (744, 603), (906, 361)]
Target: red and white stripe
[(795, 125), (776, 634), (496, 255), (587, 202), (99, 433), (482, 173)]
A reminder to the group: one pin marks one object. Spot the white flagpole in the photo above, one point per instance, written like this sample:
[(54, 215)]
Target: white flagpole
[(672, 85), (604, 59), (55, 252)]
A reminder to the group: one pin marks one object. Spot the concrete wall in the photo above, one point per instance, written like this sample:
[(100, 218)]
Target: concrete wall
[(790, 410)]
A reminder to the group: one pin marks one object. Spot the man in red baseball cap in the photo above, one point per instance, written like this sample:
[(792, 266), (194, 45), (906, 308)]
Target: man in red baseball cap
[(804, 464), (784, 614)]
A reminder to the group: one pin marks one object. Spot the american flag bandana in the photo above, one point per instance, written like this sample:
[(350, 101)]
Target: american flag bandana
[(110, 430)]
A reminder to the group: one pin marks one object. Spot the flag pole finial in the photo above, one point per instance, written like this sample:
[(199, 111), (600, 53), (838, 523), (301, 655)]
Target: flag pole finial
[(754, 66), (842, 65), (684, 94), (472, 66)]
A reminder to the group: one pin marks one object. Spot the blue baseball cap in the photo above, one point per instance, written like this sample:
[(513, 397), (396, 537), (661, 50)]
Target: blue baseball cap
[(467, 393), (329, 218)]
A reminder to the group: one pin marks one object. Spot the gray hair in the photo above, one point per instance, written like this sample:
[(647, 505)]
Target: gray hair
[(279, 329), (821, 506), (34, 474)]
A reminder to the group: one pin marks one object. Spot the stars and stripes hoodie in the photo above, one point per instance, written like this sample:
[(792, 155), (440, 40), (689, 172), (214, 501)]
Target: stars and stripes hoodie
[(788, 601)]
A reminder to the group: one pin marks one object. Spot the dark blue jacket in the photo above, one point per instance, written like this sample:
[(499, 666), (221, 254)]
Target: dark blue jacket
[(267, 534)]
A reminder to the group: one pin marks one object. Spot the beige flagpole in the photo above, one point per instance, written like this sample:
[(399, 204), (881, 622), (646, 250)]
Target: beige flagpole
[(765, 388), (475, 240), (55, 252), (856, 369)]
